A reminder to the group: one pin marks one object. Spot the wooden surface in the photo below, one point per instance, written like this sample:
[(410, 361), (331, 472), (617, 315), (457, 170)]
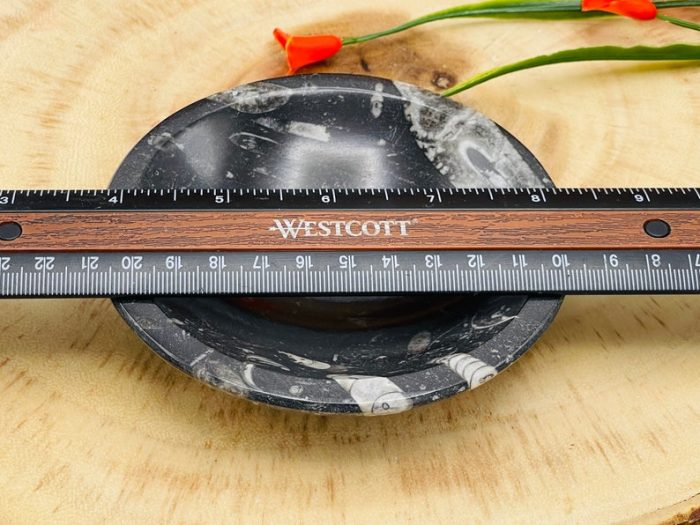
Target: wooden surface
[(598, 423)]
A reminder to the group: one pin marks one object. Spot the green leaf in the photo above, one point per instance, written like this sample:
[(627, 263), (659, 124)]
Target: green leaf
[(672, 52), (677, 21), (509, 9)]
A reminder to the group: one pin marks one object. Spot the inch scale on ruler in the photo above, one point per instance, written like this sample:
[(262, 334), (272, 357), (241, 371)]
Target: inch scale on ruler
[(343, 241)]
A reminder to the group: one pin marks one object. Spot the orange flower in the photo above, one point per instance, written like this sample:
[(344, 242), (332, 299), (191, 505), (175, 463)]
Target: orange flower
[(637, 9), (304, 50)]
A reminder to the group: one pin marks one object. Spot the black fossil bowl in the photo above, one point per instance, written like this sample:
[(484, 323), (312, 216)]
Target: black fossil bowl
[(369, 355)]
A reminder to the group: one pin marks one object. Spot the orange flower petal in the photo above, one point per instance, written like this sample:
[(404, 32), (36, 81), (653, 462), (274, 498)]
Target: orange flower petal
[(637, 9), (281, 36), (305, 50)]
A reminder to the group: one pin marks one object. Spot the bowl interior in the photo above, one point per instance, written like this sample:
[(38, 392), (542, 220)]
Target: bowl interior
[(338, 131)]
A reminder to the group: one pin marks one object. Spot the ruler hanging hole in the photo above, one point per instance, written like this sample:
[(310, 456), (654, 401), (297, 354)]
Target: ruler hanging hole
[(9, 231), (657, 228)]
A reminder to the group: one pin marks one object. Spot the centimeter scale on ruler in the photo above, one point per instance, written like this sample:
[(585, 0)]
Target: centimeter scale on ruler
[(348, 241)]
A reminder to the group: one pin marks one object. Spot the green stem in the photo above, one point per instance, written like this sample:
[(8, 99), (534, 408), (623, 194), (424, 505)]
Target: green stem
[(672, 52), (679, 22), (526, 9), (490, 8)]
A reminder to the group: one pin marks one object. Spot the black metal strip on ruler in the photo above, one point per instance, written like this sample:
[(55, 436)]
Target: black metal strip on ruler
[(317, 198), (337, 273)]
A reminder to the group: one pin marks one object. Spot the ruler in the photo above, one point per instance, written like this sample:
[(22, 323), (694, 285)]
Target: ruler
[(114, 243)]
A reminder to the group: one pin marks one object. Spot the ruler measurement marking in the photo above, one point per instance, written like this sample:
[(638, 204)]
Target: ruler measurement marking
[(691, 268), (491, 274)]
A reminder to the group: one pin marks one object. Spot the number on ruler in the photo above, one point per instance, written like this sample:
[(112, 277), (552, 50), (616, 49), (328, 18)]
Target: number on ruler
[(560, 260), (347, 262), (132, 262), (612, 260), (216, 262), (519, 260), (304, 262), (390, 261), (89, 263), (173, 262), (475, 261), (433, 261), (261, 262), (44, 263)]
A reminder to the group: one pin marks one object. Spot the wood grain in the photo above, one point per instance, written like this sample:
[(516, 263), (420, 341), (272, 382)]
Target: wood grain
[(150, 231), (598, 423)]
